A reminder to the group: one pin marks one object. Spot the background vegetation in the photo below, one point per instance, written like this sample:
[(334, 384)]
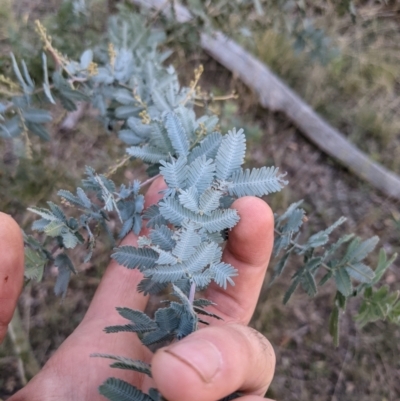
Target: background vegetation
[(345, 67)]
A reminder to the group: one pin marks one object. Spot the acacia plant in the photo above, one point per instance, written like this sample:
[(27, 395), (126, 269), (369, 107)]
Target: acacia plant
[(139, 97)]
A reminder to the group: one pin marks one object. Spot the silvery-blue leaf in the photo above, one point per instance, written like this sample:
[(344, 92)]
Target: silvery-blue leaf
[(129, 137), (147, 154), (40, 225), (200, 174), (126, 228), (72, 67), (167, 319), (71, 198), (62, 281), (47, 92), (294, 222), (210, 122), (25, 87), (86, 59), (123, 96), (165, 258), (208, 147), (123, 65), (138, 318), (27, 77), (159, 138), (119, 390), (288, 212), (65, 268), (55, 228), (99, 102), (44, 213), (166, 273), (124, 112), (223, 273), (57, 211), (160, 101), (322, 237), (187, 239), (166, 54), (190, 199), (162, 237), (136, 125), (219, 220), (177, 134), (174, 212), (360, 272), (202, 279), (170, 94), (187, 118), (137, 224), (174, 172), (210, 200), (12, 128), (187, 325), (132, 258), (127, 363), (357, 250), (70, 240), (46, 83), (201, 258), (147, 286), (103, 76), (308, 283), (230, 155), (256, 182), (154, 217), (343, 282), (37, 115), (38, 129)]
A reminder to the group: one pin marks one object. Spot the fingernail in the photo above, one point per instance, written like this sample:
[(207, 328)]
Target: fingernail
[(200, 355)]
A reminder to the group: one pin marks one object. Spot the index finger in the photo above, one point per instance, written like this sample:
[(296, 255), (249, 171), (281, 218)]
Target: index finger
[(248, 249), (11, 269)]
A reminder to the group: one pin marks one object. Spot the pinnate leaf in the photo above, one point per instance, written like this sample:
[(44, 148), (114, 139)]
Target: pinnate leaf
[(230, 155), (119, 390), (256, 182)]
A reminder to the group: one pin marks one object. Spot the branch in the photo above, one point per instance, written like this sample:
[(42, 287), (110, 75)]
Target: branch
[(276, 96)]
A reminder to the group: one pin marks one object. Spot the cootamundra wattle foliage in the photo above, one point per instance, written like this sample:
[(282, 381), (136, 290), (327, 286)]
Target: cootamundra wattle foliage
[(126, 79)]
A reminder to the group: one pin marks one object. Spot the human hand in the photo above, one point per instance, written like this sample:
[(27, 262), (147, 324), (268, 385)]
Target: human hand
[(11, 269), (207, 365)]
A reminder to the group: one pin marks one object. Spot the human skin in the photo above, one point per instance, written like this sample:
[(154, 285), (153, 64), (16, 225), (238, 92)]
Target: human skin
[(207, 365), (11, 269)]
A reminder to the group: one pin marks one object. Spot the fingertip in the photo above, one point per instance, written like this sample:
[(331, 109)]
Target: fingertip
[(11, 269), (251, 240)]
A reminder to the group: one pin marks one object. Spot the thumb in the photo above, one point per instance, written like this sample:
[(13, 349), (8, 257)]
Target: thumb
[(11, 269), (214, 362)]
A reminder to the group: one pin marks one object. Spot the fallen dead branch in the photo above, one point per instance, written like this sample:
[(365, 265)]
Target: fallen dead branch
[(276, 96)]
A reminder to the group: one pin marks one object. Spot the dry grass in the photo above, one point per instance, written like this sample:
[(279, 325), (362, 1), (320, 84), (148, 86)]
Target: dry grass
[(357, 91)]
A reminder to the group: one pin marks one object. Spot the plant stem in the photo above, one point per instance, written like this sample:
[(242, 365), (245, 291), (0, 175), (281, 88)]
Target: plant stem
[(28, 366), (192, 292), (298, 246), (149, 181)]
